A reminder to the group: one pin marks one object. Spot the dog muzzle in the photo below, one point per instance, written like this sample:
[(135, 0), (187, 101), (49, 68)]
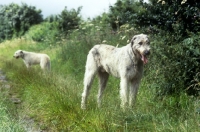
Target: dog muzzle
[(144, 56)]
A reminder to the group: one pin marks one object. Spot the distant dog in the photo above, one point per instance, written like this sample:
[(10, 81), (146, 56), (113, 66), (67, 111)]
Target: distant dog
[(125, 63), (31, 58)]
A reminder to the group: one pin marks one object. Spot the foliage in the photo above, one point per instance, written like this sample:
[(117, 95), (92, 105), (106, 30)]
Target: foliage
[(162, 13), (52, 18), (45, 32), (69, 20), (15, 19), (178, 63), (167, 13), (122, 12), (190, 64)]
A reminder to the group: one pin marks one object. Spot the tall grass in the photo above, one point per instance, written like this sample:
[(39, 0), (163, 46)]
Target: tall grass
[(53, 100)]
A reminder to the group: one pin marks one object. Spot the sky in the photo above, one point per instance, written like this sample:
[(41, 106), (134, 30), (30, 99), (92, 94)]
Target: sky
[(90, 8)]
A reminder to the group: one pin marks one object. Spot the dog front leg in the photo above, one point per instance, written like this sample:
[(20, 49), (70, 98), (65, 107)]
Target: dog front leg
[(28, 65), (124, 92), (133, 90)]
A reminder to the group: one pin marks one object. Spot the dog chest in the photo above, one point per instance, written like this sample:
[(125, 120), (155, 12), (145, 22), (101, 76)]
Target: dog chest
[(134, 71)]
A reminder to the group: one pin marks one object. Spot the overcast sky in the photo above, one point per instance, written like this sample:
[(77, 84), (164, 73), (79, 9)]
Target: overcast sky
[(90, 8)]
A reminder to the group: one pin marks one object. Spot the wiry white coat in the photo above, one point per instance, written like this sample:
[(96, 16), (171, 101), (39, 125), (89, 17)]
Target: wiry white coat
[(125, 63), (32, 58)]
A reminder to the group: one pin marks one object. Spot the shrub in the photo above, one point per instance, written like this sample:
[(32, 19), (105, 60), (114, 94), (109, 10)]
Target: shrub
[(166, 13), (177, 64), (161, 13), (45, 32)]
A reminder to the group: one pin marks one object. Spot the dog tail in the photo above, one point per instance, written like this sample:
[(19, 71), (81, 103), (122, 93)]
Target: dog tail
[(47, 63)]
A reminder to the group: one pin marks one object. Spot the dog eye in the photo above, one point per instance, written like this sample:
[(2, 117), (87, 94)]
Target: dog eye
[(140, 43)]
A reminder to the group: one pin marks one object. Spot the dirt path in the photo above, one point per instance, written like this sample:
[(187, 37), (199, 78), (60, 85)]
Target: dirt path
[(28, 123)]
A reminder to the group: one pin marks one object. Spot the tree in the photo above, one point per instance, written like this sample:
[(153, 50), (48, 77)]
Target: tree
[(69, 20), (15, 20), (122, 12)]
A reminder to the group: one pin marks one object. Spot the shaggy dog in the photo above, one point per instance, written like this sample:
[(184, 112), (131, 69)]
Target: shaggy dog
[(31, 58), (125, 63)]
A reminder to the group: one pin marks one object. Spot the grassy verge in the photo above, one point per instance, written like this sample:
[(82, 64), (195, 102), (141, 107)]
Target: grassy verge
[(7, 122), (53, 100)]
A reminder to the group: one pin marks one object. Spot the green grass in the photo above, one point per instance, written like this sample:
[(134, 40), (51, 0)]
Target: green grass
[(9, 121), (53, 100)]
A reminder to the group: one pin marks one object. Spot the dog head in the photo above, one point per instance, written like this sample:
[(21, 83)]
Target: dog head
[(18, 54), (141, 45)]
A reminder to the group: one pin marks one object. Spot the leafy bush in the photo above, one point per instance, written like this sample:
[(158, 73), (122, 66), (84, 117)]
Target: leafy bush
[(190, 63), (45, 32), (177, 64), (160, 13), (165, 13)]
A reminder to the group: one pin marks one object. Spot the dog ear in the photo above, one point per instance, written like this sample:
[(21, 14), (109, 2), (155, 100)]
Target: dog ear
[(21, 52), (132, 40)]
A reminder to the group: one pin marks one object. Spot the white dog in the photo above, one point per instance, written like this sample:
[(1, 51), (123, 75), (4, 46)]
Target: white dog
[(31, 58), (125, 63)]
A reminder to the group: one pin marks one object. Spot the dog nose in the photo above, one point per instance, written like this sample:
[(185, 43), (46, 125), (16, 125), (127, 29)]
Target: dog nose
[(146, 52)]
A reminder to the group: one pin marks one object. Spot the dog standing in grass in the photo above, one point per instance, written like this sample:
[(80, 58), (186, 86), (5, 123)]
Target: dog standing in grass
[(31, 58), (125, 63)]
